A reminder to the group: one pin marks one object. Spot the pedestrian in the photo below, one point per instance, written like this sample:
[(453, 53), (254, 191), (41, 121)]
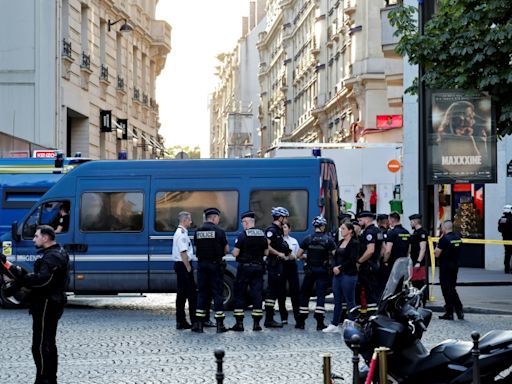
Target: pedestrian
[(289, 278), (62, 224), (211, 246), (47, 299), (373, 201), (360, 201), (250, 248), (448, 252), (397, 245), (182, 256), (278, 250), (505, 227), (344, 278), (419, 252), (368, 262), (319, 247)]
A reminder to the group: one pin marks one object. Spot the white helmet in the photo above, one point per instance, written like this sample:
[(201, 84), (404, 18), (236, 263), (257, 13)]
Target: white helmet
[(507, 208)]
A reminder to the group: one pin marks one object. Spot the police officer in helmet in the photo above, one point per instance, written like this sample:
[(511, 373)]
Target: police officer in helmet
[(278, 250), (319, 247), (505, 227), (47, 298), (211, 246), (250, 248)]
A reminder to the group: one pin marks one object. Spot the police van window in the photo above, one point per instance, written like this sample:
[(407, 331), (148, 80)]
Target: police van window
[(112, 212), (296, 201), (48, 213), (168, 204)]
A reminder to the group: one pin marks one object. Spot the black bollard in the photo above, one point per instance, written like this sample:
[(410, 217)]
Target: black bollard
[(475, 352), (355, 344), (219, 355)]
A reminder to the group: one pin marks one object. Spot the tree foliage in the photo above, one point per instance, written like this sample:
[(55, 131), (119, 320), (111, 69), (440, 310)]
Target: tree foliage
[(466, 45), (192, 152)]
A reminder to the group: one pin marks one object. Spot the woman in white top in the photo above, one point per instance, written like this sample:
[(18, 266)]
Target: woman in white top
[(289, 278)]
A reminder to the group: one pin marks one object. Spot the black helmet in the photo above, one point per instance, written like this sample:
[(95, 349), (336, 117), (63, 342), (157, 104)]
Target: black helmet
[(352, 330)]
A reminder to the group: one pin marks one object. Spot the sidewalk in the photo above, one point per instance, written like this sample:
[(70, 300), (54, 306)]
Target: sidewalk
[(480, 290)]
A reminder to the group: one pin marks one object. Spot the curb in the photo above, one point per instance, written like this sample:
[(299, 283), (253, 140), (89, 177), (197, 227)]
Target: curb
[(476, 310)]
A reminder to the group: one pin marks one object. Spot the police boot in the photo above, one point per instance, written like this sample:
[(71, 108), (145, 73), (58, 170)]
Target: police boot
[(239, 326), (269, 319), (300, 323), (319, 317), (256, 324), (220, 326), (197, 327)]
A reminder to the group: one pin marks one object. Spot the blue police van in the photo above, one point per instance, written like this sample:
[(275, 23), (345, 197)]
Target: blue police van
[(24, 181), (123, 214)]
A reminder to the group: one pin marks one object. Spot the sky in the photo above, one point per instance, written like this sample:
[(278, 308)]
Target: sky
[(201, 29)]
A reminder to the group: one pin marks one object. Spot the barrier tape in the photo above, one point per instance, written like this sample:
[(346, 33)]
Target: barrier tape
[(432, 240)]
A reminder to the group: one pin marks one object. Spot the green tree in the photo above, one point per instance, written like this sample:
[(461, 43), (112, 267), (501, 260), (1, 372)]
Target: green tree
[(466, 45), (192, 152)]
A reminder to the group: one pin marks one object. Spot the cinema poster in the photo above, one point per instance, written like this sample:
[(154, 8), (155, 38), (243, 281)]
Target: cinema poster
[(461, 139)]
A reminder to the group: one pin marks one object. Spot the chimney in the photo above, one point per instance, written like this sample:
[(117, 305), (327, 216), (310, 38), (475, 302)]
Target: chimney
[(245, 26), (260, 10), (252, 15)]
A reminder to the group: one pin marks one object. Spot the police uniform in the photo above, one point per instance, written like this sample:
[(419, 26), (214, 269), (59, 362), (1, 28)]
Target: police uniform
[(290, 277), (451, 246), (252, 244), (210, 241), (400, 238), (418, 236), (274, 234), (505, 227), (319, 247), (47, 298), (368, 270), (185, 280), (383, 271)]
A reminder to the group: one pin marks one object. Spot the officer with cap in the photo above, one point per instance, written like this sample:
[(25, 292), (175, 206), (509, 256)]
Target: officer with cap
[(397, 243), (368, 263), (278, 250), (211, 246), (250, 248), (505, 227), (419, 250), (319, 247)]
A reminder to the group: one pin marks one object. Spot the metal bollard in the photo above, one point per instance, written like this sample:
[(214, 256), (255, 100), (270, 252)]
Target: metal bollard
[(475, 352), (327, 368), (219, 355), (383, 365), (355, 344)]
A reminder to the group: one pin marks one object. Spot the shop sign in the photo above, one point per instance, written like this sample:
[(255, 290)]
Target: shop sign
[(105, 121), (389, 121), (45, 154), (461, 139)]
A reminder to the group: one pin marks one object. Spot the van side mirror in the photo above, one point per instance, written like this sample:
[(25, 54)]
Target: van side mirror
[(14, 231)]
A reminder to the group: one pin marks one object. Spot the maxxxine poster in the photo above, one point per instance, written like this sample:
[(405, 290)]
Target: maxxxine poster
[(461, 139)]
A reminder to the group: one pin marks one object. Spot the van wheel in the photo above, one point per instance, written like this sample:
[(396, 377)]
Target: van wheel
[(7, 304), (228, 292)]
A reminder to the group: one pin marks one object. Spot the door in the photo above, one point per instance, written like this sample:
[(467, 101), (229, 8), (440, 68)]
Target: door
[(112, 227)]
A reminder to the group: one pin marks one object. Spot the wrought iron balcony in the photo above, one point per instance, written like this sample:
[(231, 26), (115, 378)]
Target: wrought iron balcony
[(66, 49), (120, 83), (85, 63), (136, 94), (103, 72)]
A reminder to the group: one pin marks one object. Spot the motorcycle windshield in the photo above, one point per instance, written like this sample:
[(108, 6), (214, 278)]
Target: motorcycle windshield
[(400, 274)]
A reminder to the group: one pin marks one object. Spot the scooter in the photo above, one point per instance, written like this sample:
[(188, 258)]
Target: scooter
[(399, 324)]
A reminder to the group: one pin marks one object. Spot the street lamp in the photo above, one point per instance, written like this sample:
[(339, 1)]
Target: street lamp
[(124, 28)]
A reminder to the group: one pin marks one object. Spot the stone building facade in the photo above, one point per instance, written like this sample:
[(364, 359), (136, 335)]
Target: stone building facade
[(82, 77)]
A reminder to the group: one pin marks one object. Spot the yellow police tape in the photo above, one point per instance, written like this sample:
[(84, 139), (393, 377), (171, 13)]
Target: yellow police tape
[(432, 240)]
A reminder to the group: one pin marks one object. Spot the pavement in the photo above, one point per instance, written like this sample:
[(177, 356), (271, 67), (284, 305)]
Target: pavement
[(480, 290)]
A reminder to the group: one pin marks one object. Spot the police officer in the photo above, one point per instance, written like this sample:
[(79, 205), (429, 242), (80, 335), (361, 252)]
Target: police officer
[(382, 273), (47, 298), (397, 242), (277, 252), (319, 247), (419, 252), (448, 252), (505, 227), (250, 248), (211, 246), (368, 263), (183, 255)]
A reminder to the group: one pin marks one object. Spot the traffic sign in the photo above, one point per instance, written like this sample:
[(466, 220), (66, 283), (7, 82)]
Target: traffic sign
[(394, 165)]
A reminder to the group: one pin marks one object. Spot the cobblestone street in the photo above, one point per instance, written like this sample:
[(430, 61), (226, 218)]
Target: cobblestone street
[(135, 341)]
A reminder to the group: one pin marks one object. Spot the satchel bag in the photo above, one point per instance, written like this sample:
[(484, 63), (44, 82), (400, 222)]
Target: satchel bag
[(419, 274)]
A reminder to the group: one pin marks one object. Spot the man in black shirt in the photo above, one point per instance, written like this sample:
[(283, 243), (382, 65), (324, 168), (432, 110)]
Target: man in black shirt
[(397, 242), (505, 227), (448, 253), (419, 250)]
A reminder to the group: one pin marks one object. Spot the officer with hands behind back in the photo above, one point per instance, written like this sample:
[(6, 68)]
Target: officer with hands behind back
[(319, 246), (250, 248), (211, 246), (278, 250), (47, 298)]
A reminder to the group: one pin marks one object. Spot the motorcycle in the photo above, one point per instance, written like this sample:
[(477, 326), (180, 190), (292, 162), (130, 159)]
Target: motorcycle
[(399, 324)]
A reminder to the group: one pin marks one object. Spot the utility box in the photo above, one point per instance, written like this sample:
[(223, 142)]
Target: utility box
[(396, 206)]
